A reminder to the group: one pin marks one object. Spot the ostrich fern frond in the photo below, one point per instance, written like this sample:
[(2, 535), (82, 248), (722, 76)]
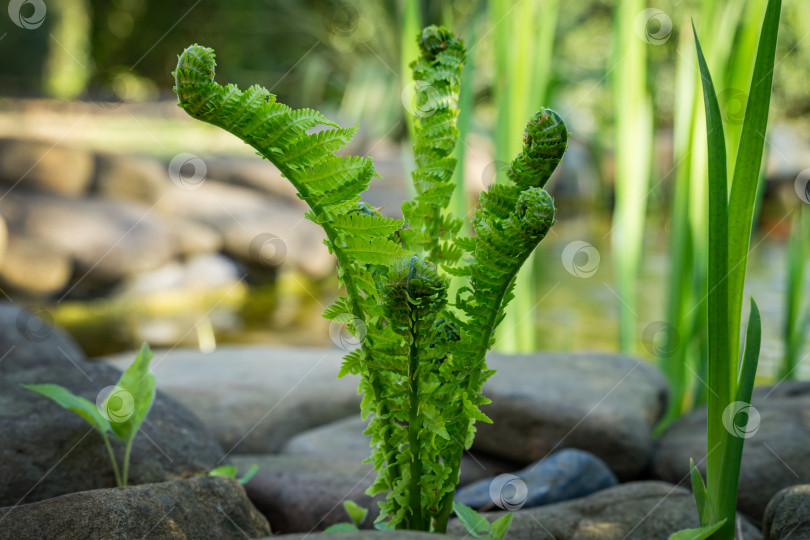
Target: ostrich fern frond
[(421, 359)]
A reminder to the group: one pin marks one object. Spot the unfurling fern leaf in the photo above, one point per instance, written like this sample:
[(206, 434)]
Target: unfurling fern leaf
[(421, 359)]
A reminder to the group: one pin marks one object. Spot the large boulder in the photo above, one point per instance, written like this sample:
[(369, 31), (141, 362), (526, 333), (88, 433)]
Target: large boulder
[(255, 398), (605, 404), (131, 178), (787, 516), (40, 166), (205, 507), (632, 511), (33, 268), (776, 451), (49, 451), (107, 239)]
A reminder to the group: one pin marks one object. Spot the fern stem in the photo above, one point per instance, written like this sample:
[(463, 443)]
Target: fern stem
[(414, 427)]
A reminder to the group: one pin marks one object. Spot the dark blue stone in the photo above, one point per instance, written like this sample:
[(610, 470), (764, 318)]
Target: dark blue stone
[(567, 474)]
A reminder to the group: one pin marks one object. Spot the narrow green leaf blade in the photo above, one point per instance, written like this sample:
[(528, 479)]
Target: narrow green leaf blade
[(748, 370), (249, 475), (129, 404), (698, 534), (66, 399), (356, 512), (700, 493), (501, 526), (475, 523), (228, 471), (749, 160)]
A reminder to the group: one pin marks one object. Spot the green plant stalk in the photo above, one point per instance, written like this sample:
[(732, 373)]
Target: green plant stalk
[(634, 132), (127, 453), (796, 319), (114, 463), (414, 427)]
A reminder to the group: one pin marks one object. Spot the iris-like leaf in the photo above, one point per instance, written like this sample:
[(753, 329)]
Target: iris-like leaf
[(66, 399)]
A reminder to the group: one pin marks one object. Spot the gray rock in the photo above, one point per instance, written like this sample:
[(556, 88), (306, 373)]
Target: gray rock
[(199, 272), (255, 398), (564, 475), (3, 238), (40, 166), (257, 229), (787, 516), (131, 178), (253, 173), (192, 237), (305, 493), (605, 404), (775, 456), (33, 268), (107, 239), (205, 507), (632, 511), (345, 439), (49, 451)]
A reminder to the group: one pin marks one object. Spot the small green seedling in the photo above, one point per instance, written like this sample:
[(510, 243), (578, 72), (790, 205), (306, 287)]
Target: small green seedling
[(478, 526), (230, 471), (356, 513), (121, 409)]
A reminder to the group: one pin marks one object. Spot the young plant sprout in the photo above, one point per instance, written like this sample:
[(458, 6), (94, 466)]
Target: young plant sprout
[(121, 411), (421, 358)]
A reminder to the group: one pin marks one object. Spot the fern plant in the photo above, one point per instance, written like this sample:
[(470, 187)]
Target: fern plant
[(421, 360)]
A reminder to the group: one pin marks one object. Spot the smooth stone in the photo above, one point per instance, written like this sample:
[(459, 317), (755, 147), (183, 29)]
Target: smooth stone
[(305, 493), (40, 166), (774, 457), (345, 439), (634, 511), (33, 269), (3, 238), (253, 173), (606, 404), (257, 229), (787, 516), (199, 272), (567, 474), (107, 239), (255, 398), (192, 237), (130, 178), (205, 507), (50, 451)]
